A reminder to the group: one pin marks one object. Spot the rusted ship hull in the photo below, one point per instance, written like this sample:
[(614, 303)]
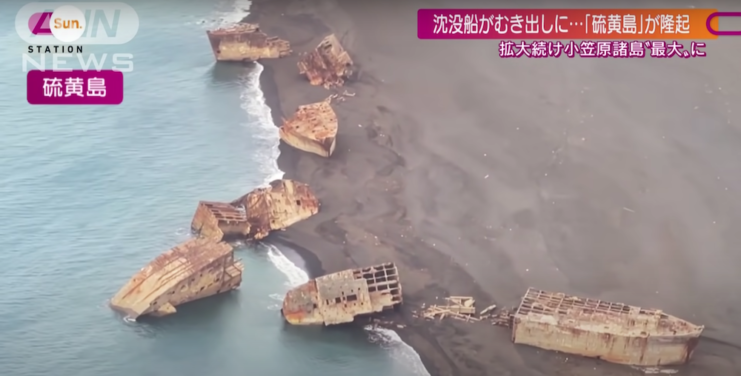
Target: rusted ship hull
[(328, 65), (193, 270), (245, 42), (340, 297), (613, 332), (312, 129), (254, 215)]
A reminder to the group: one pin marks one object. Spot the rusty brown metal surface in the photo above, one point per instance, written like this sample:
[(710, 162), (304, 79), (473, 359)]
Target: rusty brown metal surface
[(254, 215), (614, 332), (312, 129), (245, 42), (192, 270), (340, 297), (328, 65)]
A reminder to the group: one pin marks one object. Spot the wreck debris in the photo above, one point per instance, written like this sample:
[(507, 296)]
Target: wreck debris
[(487, 310), (457, 307), (328, 65), (339, 297), (193, 270), (245, 42), (340, 97), (312, 129), (254, 215), (503, 317), (613, 332), (462, 308)]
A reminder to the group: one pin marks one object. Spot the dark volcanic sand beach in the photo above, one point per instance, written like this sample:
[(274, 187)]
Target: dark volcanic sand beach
[(614, 179)]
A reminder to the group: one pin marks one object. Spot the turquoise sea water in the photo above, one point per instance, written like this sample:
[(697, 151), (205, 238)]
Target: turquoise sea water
[(89, 195)]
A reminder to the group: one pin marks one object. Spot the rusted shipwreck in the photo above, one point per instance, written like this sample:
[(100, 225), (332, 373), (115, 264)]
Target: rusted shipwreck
[(312, 129), (328, 65), (245, 42), (193, 270), (254, 215), (339, 297), (613, 332)]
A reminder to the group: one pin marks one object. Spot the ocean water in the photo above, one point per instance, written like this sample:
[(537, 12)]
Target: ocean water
[(89, 195)]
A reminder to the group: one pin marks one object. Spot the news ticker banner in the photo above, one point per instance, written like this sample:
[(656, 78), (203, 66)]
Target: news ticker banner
[(75, 87), (572, 24)]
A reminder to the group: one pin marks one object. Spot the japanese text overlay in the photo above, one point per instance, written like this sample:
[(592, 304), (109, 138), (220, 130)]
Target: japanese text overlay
[(589, 24), (601, 49), (75, 87)]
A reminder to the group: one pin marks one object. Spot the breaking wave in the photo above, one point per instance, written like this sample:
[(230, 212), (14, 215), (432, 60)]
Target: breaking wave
[(264, 132), (293, 273)]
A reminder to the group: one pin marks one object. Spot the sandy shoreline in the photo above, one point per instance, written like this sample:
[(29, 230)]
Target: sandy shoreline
[(483, 176)]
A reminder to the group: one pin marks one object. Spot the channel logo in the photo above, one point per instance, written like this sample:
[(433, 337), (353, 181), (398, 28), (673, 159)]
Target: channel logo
[(67, 23), (81, 23)]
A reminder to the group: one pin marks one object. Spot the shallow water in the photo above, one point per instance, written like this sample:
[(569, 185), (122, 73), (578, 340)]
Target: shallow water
[(91, 194)]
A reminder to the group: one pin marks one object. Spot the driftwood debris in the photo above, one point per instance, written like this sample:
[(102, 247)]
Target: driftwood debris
[(457, 307), (340, 97), (503, 317), (463, 308), (245, 42), (328, 65)]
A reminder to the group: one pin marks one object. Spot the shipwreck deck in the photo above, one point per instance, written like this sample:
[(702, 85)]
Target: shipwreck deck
[(600, 316), (313, 128), (254, 215), (328, 65), (192, 270), (340, 297), (245, 42), (615, 332)]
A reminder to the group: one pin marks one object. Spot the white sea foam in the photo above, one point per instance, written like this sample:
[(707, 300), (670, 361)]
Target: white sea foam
[(276, 297), (264, 130), (656, 370), (295, 275), (240, 11), (404, 354)]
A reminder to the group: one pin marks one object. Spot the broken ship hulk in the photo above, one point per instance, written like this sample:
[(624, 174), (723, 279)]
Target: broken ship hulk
[(614, 332), (190, 271), (205, 266), (338, 298), (245, 42), (313, 129), (254, 215)]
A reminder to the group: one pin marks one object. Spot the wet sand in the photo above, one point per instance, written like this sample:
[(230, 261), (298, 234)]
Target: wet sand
[(613, 179)]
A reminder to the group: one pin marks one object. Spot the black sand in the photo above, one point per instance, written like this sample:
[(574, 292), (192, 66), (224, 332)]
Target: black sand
[(614, 179)]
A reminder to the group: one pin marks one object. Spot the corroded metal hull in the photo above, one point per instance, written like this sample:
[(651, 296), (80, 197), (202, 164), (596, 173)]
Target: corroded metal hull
[(245, 42), (613, 332), (312, 129), (339, 297), (193, 270), (255, 214), (328, 65)]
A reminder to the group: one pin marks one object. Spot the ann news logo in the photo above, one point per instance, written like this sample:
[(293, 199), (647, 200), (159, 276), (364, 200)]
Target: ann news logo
[(68, 23), (58, 32), (81, 23)]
